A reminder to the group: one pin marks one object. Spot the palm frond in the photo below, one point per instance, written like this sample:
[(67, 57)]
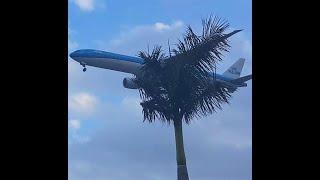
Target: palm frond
[(182, 85), (206, 101), (205, 50)]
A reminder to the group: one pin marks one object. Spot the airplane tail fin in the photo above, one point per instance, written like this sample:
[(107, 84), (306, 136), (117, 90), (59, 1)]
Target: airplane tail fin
[(234, 71)]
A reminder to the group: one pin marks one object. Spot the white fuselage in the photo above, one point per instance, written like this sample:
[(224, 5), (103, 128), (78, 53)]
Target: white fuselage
[(132, 65), (112, 64)]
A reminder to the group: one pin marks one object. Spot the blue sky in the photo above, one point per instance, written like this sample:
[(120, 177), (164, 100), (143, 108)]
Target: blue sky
[(107, 138)]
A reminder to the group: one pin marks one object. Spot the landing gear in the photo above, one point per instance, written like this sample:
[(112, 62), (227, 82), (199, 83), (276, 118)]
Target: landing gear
[(84, 67)]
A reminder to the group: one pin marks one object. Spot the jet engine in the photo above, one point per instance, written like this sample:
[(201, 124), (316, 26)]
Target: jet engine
[(129, 83)]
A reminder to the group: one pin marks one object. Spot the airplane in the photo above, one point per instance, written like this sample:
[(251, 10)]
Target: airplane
[(230, 79)]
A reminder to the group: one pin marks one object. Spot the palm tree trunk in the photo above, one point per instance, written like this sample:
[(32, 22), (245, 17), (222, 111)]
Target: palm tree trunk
[(181, 158)]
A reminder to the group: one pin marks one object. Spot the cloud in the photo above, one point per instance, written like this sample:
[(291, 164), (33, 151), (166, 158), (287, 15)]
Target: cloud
[(160, 26), (241, 45), (72, 45), (135, 39), (85, 5), (83, 103), (217, 147), (247, 47), (71, 31), (74, 124), (78, 139), (125, 147), (132, 40), (75, 134)]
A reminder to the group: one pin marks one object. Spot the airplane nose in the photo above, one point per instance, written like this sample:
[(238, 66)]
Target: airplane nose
[(73, 54)]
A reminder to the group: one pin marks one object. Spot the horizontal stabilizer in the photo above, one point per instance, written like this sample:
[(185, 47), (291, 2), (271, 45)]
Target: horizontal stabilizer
[(242, 79)]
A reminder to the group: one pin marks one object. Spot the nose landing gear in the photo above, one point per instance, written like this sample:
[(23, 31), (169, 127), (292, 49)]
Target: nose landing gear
[(84, 67)]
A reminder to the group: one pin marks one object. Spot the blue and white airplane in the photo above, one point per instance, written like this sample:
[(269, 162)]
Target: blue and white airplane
[(230, 79)]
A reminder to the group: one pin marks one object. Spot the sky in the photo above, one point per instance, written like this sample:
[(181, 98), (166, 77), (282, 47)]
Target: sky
[(107, 138)]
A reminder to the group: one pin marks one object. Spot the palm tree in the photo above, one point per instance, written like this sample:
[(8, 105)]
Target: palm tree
[(180, 87)]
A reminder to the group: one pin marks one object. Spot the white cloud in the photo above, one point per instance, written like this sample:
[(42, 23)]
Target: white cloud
[(137, 38), (71, 31), (242, 43), (222, 140), (241, 47), (72, 45), (132, 40), (178, 24), (83, 103), (78, 139), (74, 124), (247, 47), (160, 26), (85, 5), (75, 134)]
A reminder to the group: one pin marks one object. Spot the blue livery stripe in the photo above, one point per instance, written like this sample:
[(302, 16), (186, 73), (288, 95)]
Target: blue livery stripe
[(90, 53)]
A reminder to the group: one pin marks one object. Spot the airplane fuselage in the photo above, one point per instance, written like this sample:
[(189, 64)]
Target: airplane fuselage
[(107, 60), (128, 64)]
